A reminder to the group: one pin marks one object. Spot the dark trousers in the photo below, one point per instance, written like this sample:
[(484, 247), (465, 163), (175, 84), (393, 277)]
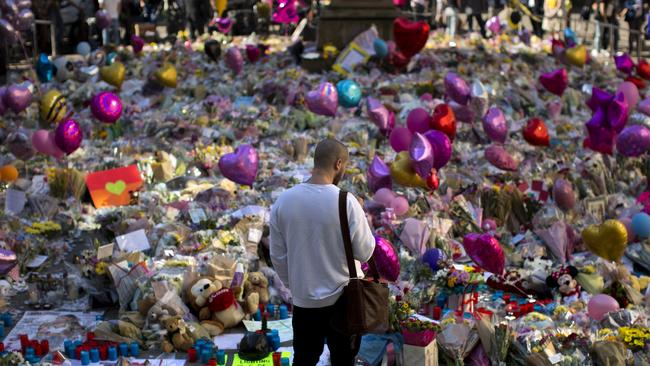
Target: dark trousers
[(479, 20), (197, 28), (312, 328)]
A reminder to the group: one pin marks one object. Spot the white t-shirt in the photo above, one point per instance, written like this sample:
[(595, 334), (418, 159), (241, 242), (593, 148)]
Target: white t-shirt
[(112, 7), (307, 248)]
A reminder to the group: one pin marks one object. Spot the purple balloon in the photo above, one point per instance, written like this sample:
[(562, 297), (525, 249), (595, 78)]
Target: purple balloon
[(493, 25), (102, 19), (380, 115), (599, 99), (20, 145), (643, 107), (25, 19), (68, 136), (485, 251), (441, 145), (3, 107), (106, 107), (234, 60), (240, 166), (633, 141), (456, 88), (618, 112), (324, 100), (378, 175), (18, 98), (224, 25), (495, 125), (563, 194), (500, 158), (432, 257), (624, 63), (463, 113), (386, 259), (421, 154), (418, 120)]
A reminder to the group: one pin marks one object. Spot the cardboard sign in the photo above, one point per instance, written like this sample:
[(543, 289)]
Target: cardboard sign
[(111, 187)]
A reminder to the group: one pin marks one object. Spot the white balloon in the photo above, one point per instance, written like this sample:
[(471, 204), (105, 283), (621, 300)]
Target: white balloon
[(64, 69)]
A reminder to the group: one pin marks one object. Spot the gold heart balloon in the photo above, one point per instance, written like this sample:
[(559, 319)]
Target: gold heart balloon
[(577, 56), (166, 75), (52, 107), (403, 173), (113, 74), (607, 240)]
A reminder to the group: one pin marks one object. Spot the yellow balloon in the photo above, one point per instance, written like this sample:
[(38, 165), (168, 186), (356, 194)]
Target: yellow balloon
[(402, 171), (577, 56), (167, 75), (607, 240), (113, 74), (53, 106), (221, 6)]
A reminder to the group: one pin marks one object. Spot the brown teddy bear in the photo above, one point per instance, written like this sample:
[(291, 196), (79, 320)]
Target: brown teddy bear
[(178, 336), (257, 283)]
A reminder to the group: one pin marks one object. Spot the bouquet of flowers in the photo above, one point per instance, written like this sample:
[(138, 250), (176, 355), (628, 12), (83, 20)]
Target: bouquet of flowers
[(635, 338)]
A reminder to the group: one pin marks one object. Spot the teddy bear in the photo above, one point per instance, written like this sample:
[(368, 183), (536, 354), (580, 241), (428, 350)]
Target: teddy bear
[(178, 336), (565, 281), (257, 283)]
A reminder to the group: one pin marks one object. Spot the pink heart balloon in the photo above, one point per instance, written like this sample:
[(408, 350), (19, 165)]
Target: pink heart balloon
[(495, 125), (500, 158), (43, 142), (234, 60), (378, 175), (253, 53), (441, 146), (563, 194), (457, 89), (400, 205), (421, 154), (633, 141), (240, 166), (555, 82), (485, 251), (400, 139), (386, 259), (624, 63), (324, 100), (380, 115), (418, 120), (643, 106), (18, 98)]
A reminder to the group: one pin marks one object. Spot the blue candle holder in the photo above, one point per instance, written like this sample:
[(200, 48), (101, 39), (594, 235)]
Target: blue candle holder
[(94, 355), (135, 349), (221, 357), (112, 353), (124, 350), (284, 312), (85, 358)]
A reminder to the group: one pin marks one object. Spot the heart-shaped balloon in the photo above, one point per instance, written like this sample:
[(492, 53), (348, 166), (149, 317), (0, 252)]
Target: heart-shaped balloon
[(409, 36), (68, 136), (495, 125), (444, 120), (638, 82), (485, 251), (633, 141), (166, 75), (441, 145), (20, 145), (535, 133), (643, 69), (253, 53), (18, 98), (563, 194), (403, 173), (106, 107), (500, 158), (323, 100), (43, 142), (479, 98), (113, 74), (137, 43), (213, 49), (577, 56), (607, 240), (234, 60), (224, 25), (378, 175), (53, 107), (349, 93), (624, 63), (380, 115), (456, 88), (555, 82), (386, 259), (240, 166), (44, 68), (421, 154), (418, 120)]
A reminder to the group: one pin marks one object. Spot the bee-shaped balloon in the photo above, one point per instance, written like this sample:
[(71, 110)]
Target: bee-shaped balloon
[(53, 107)]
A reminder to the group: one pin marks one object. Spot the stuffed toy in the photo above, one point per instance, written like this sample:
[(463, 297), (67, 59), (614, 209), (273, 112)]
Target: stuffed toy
[(565, 281), (512, 281), (257, 283), (178, 336)]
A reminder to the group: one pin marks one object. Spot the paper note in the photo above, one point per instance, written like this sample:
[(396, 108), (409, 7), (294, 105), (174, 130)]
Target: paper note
[(133, 242), (254, 235), (228, 341), (284, 327), (37, 261), (15, 201), (105, 251), (112, 187)]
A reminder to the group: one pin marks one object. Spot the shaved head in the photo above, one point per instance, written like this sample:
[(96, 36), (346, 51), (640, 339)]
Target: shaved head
[(331, 156)]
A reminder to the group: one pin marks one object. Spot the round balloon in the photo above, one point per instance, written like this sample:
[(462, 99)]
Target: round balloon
[(234, 60), (400, 205), (400, 139), (83, 48), (418, 120), (641, 225), (349, 93), (600, 305), (495, 125), (68, 136), (106, 107), (43, 141), (563, 194), (633, 141), (441, 146), (323, 100), (381, 48), (384, 196), (17, 97), (421, 154), (456, 88), (20, 145), (8, 173), (53, 107), (432, 257)]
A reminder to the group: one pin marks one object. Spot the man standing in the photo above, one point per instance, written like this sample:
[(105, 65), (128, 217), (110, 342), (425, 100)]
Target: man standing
[(112, 33), (308, 254)]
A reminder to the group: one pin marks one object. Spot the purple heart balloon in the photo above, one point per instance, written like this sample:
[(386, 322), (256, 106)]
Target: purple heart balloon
[(633, 141), (240, 166), (441, 145), (421, 154), (3, 107), (224, 25), (599, 99), (485, 251), (643, 106), (618, 112), (563, 194), (624, 63), (463, 113), (456, 88), (234, 60), (68, 136), (380, 115), (323, 100), (495, 125), (106, 107), (386, 259), (20, 145), (378, 175), (556, 81), (18, 98), (500, 158)]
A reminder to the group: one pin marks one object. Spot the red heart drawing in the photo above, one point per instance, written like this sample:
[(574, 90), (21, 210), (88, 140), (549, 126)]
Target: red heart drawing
[(536, 133), (643, 69), (410, 37)]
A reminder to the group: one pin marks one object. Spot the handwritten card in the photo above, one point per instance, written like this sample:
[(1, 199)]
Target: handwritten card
[(135, 241), (15, 201), (111, 187)]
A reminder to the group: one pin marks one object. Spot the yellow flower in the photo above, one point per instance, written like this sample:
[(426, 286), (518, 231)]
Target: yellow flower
[(628, 339), (639, 343), (100, 268)]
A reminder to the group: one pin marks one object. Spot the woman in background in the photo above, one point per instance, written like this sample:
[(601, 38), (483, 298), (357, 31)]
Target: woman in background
[(553, 17)]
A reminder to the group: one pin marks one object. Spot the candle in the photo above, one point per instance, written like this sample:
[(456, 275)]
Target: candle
[(135, 349), (85, 358), (45, 346), (437, 312), (191, 354), (221, 357), (124, 350), (112, 353), (94, 355)]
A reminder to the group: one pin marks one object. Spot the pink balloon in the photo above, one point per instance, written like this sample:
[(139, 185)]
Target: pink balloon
[(421, 154), (324, 100), (631, 93), (563, 194), (500, 158), (106, 107), (384, 196), (234, 60), (400, 205), (43, 142), (418, 120), (495, 125), (441, 145), (600, 305), (68, 136), (618, 112), (493, 25), (400, 139), (240, 166), (386, 259), (485, 251), (378, 175), (633, 141), (555, 82), (380, 115)]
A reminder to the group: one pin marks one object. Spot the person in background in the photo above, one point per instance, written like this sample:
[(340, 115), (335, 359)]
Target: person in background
[(536, 8), (474, 11), (112, 33), (79, 30), (308, 254), (553, 17), (131, 13), (634, 17), (419, 6), (54, 15)]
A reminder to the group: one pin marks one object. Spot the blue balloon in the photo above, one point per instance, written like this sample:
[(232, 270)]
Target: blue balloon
[(44, 68), (381, 48), (432, 257), (349, 93), (569, 34), (110, 58), (641, 225)]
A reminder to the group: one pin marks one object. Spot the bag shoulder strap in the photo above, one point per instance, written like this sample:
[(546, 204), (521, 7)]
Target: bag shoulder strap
[(345, 231)]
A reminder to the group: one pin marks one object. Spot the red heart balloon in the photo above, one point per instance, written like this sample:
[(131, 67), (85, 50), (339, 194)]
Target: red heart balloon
[(444, 120), (536, 133), (643, 69), (638, 82), (410, 37), (433, 182)]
